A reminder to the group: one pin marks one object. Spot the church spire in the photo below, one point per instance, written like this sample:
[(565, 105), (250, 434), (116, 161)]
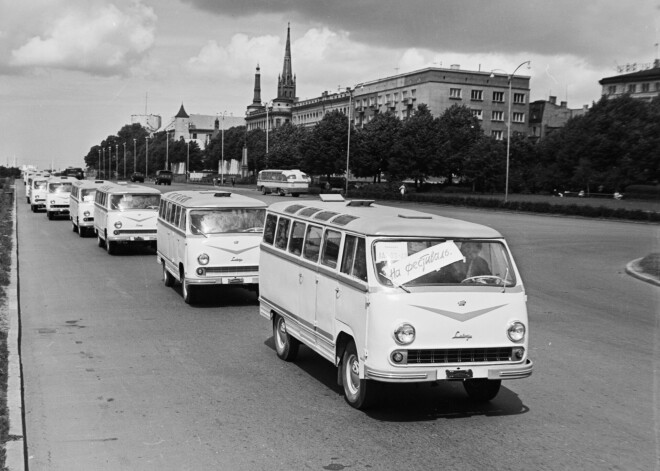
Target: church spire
[(286, 88), (257, 87)]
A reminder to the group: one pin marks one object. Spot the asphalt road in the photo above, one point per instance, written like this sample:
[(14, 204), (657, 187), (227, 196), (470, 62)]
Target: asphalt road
[(120, 374)]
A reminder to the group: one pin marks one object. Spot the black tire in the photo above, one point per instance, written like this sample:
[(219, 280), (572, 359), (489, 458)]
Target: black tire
[(295, 195), (356, 390), (74, 228), (49, 215), (33, 208), (187, 291), (82, 231), (168, 279), (28, 200), (99, 241), (110, 247), (286, 346), (263, 190), (481, 389)]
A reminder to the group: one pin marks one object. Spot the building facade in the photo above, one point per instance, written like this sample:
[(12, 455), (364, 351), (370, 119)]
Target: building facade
[(199, 127), (642, 85), (546, 116)]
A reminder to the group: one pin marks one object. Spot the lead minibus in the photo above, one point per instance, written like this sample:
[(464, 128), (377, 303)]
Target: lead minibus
[(282, 182), (125, 214), (81, 205), (393, 295), (30, 178), (209, 238), (58, 195)]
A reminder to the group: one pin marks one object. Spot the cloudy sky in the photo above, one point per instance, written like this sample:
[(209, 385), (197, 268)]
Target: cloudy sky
[(72, 72)]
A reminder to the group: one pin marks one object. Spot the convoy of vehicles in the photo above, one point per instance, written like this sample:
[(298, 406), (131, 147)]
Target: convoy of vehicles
[(388, 295), (281, 182), (125, 214), (208, 238)]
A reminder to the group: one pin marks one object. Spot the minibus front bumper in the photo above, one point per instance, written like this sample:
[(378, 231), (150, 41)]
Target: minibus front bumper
[(224, 280), (452, 372)]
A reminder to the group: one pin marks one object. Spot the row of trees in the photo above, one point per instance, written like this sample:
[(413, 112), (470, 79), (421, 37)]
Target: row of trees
[(614, 144)]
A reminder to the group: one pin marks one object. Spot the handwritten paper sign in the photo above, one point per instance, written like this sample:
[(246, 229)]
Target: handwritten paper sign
[(423, 262)]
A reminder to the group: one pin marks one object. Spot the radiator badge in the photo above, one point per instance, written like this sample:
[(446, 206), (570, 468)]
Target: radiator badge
[(458, 335)]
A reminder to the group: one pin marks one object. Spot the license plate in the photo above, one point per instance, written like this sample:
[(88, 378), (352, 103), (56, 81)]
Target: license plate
[(459, 374), (235, 281)]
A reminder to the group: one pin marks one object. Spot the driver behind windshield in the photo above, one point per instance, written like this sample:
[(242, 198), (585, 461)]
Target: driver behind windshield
[(475, 264)]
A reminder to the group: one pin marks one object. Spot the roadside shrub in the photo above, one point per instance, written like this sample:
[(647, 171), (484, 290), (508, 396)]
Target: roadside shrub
[(643, 191)]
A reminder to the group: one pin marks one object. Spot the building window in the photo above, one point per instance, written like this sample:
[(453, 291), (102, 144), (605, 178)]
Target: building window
[(380, 100), (646, 87), (519, 98), (479, 114), (387, 98), (413, 93), (497, 135), (632, 88), (498, 116), (611, 90), (395, 97), (657, 86), (477, 95), (455, 93), (498, 97), (518, 117)]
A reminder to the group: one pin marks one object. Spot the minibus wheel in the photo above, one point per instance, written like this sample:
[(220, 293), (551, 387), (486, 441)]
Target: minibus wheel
[(355, 389), (99, 241), (74, 228), (263, 190), (186, 292), (110, 247), (49, 215), (168, 279), (481, 389), (286, 346)]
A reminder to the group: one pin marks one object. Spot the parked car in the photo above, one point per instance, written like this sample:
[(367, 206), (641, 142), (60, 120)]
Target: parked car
[(137, 177), (164, 177), (76, 172)]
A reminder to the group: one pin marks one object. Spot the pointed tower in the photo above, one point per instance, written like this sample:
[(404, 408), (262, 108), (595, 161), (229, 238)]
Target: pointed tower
[(256, 100), (286, 87), (181, 124)]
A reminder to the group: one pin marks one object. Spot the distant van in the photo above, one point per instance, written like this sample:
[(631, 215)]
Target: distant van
[(282, 182), (209, 238), (125, 214), (393, 295), (163, 177), (81, 205), (57, 198), (38, 191)]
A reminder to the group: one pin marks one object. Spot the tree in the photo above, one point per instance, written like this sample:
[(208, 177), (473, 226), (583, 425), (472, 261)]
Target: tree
[(419, 140), (458, 132), (324, 149), (375, 145), (284, 146)]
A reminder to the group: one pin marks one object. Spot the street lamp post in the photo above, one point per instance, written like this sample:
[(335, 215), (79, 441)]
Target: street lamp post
[(134, 155), (508, 128), (267, 125), (188, 161), (124, 161), (117, 160), (146, 159), (222, 150), (110, 160), (167, 152), (98, 171), (104, 177), (348, 143)]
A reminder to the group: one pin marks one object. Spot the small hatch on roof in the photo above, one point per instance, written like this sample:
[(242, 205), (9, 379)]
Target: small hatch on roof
[(325, 215), (360, 203), (222, 194), (309, 211), (410, 216), (331, 197), (343, 219)]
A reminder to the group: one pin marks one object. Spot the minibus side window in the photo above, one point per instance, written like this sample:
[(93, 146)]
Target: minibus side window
[(282, 233), (349, 254), (168, 212), (269, 229), (161, 209), (360, 265), (177, 216), (354, 259), (182, 222), (312, 243), (297, 238), (331, 248)]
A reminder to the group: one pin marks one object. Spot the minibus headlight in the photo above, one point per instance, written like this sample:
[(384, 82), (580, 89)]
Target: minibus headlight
[(404, 334), (516, 331), (52, 201), (86, 214), (118, 225), (203, 259)]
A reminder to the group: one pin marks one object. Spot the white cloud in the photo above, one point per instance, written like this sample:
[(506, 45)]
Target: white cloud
[(99, 39)]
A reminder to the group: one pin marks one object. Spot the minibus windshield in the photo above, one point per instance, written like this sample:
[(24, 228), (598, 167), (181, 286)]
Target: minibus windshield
[(59, 188), (41, 185), (87, 194), (127, 201), (220, 221), (436, 262)]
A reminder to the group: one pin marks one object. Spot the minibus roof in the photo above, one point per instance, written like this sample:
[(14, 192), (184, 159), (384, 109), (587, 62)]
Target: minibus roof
[(376, 220), (61, 179), (127, 188), (212, 199), (89, 183)]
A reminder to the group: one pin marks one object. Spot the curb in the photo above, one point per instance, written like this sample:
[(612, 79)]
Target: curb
[(633, 270), (15, 447)]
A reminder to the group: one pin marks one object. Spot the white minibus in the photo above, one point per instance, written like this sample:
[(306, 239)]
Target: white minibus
[(57, 198), (209, 238), (28, 185), (125, 214), (393, 295), (81, 205), (38, 192), (282, 182)]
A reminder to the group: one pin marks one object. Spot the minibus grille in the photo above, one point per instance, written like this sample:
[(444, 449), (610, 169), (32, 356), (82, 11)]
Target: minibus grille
[(460, 355), (134, 231), (224, 270)]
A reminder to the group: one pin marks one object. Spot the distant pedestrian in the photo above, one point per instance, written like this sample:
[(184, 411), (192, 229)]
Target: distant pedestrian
[(233, 181), (402, 189)]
